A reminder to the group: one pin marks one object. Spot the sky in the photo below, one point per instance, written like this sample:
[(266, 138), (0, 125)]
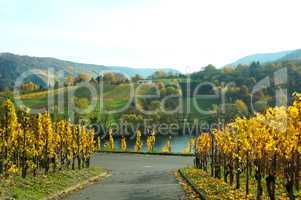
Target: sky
[(182, 34)]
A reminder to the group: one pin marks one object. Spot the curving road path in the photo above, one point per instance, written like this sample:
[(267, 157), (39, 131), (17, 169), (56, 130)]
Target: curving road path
[(136, 177)]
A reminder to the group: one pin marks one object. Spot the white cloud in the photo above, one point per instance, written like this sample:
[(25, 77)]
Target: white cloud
[(163, 33)]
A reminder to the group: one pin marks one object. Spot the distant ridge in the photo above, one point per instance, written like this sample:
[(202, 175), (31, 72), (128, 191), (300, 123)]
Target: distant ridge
[(12, 65), (294, 55), (268, 57)]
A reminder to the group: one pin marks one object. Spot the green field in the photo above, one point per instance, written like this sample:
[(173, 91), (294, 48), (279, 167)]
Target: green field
[(113, 98)]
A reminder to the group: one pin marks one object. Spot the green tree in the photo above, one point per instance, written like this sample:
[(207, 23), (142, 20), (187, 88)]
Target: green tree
[(136, 78), (241, 107)]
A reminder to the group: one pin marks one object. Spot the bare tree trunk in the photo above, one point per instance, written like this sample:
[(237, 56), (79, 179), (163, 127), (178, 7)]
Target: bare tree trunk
[(237, 174), (73, 162), (217, 173), (1, 167), (226, 170), (289, 184), (271, 179), (88, 162), (247, 175), (78, 162), (297, 172), (212, 155), (258, 178), (231, 173), (46, 158)]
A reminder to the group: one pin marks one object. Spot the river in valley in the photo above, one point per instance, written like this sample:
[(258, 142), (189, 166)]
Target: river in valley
[(178, 143)]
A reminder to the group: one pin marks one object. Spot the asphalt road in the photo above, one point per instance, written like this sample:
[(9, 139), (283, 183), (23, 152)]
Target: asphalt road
[(136, 177)]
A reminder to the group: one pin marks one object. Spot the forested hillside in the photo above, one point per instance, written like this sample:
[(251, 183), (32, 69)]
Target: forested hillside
[(245, 78), (11, 66)]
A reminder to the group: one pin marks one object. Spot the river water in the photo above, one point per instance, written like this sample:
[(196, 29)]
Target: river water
[(178, 143)]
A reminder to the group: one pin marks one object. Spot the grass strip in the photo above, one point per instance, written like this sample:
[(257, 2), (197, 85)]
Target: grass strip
[(214, 189), (49, 186)]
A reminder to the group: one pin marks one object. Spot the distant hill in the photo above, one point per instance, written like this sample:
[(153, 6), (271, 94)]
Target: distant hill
[(268, 57), (294, 55), (11, 66)]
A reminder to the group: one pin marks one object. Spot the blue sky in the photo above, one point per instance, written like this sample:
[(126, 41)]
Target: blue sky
[(149, 33)]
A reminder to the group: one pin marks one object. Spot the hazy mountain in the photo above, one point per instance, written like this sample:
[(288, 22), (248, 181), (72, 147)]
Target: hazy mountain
[(294, 55), (11, 66), (269, 57)]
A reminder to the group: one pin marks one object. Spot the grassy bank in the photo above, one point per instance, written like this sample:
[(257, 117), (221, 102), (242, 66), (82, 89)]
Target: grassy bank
[(214, 189), (42, 186), (217, 189)]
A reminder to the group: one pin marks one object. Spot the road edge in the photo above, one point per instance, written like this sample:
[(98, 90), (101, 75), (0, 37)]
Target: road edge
[(200, 192), (148, 153), (77, 187)]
